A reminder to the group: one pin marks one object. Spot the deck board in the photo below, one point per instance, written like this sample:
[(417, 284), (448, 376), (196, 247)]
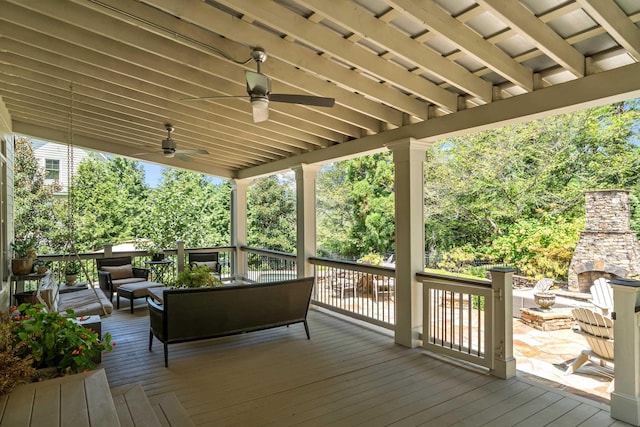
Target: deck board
[(345, 375)]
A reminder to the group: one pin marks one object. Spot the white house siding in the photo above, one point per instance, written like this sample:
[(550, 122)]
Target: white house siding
[(44, 150)]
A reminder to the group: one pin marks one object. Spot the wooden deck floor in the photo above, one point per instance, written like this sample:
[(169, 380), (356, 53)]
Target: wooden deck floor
[(345, 375)]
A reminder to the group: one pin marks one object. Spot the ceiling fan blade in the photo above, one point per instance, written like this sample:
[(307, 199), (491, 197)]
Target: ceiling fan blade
[(257, 83), (183, 157), (302, 99), (205, 98), (187, 151)]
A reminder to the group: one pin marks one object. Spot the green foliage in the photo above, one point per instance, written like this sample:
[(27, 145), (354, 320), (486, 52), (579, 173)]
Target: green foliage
[(72, 267), (356, 212), (186, 206), (51, 339), (539, 247), (372, 259), (196, 277), (24, 247), (458, 260), (271, 214), (478, 185), (14, 369), (109, 197), (33, 216)]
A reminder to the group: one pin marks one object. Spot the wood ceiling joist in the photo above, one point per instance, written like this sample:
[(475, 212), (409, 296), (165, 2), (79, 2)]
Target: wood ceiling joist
[(537, 33), (335, 45), (367, 26), (439, 21), (124, 61), (100, 74), (350, 108), (221, 23), (616, 23)]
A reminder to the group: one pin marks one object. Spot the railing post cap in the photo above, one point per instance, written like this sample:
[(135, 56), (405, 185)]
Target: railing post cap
[(503, 270), (634, 283)]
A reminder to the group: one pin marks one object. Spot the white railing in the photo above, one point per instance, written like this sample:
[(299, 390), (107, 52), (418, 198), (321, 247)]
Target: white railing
[(361, 291), (264, 265), (458, 317)]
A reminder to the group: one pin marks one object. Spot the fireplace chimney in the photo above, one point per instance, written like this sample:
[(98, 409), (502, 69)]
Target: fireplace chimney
[(607, 247)]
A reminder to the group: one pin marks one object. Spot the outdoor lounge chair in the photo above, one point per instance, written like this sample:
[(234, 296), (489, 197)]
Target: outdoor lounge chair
[(598, 331), (602, 296), (207, 259), (117, 271)]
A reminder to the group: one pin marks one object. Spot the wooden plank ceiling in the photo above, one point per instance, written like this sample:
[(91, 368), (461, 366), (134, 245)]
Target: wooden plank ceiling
[(396, 68)]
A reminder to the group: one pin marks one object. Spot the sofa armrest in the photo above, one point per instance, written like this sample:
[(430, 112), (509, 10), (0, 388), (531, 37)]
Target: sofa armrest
[(104, 279), (140, 272), (156, 317)]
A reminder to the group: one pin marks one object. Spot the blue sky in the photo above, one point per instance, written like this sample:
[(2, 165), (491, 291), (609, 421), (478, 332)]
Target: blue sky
[(153, 174)]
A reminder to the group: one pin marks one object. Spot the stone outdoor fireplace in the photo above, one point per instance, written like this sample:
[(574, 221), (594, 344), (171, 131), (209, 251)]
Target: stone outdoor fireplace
[(607, 247)]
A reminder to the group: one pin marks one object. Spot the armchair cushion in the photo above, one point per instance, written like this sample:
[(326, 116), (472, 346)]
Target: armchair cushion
[(119, 272), (211, 265)]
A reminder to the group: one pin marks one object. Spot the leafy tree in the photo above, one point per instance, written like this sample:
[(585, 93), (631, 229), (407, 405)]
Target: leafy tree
[(477, 186), (186, 206), (271, 217), (33, 198), (372, 202), (109, 197), (334, 215)]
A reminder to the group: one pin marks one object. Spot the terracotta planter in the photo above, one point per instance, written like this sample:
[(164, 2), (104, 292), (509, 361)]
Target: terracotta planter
[(21, 266), (70, 279)]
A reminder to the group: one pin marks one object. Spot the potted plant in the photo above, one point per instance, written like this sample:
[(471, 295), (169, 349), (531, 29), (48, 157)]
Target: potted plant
[(196, 277), (24, 250), (71, 271)]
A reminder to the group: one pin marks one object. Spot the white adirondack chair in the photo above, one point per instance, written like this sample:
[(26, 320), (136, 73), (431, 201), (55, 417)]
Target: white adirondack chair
[(602, 296), (598, 331)]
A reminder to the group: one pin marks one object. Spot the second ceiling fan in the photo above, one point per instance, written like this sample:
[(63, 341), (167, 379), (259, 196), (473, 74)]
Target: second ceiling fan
[(259, 90)]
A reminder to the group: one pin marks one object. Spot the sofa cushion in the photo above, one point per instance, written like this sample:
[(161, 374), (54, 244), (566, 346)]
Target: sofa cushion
[(119, 272), (120, 282), (212, 265), (85, 302)]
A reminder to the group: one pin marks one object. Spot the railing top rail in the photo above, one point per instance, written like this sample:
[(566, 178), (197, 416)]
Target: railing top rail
[(211, 249), (484, 283), (268, 252), (365, 268)]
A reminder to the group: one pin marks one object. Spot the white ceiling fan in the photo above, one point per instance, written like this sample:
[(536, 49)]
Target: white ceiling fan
[(259, 90), (169, 149)]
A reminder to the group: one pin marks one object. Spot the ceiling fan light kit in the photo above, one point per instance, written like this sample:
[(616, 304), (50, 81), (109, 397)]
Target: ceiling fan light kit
[(259, 90)]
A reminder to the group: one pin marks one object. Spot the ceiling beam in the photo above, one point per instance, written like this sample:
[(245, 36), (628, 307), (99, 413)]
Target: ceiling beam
[(119, 150), (367, 26), (616, 23), (332, 43), (597, 89), (201, 14), (525, 23), (435, 18)]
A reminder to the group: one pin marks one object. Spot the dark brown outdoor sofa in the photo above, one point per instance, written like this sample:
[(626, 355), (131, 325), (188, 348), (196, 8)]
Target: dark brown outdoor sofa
[(202, 313)]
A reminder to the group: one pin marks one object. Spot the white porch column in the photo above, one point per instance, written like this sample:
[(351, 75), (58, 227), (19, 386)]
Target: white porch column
[(239, 225), (504, 364), (625, 400), (305, 217), (408, 157)]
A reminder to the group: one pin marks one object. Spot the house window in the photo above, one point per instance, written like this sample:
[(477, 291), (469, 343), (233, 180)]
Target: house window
[(52, 169)]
